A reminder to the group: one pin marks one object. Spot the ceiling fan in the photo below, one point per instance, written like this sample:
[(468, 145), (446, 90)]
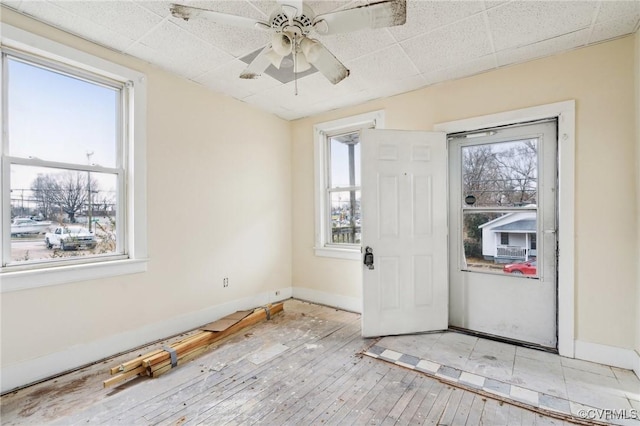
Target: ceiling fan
[(291, 25)]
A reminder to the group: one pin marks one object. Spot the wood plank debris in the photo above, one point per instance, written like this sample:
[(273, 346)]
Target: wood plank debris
[(160, 361)]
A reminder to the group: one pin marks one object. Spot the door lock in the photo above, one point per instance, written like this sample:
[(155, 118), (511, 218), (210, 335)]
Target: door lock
[(368, 257)]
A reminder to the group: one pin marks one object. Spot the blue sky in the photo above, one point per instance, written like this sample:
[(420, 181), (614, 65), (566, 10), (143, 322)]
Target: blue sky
[(59, 118)]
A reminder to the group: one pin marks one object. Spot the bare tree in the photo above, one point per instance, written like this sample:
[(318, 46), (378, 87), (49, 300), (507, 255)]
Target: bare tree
[(496, 175), (41, 188), (501, 175), (480, 173), (68, 190)]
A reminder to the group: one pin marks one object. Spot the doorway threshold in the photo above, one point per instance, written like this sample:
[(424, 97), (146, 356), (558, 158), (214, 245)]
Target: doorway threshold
[(503, 339), (568, 389)]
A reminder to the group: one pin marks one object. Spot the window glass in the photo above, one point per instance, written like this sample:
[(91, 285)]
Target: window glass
[(344, 172), (345, 217), (501, 174), (499, 189), (47, 201), (55, 117), (345, 160), (64, 135)]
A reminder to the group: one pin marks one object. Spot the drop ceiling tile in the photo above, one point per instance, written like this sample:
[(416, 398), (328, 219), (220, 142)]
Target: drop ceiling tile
[(159, 7), (450, 45), (66, 21), (544, 48), (235, 7), (491, 4), (387, 64), (233, 40), (14, 4), (349, 46), (426, 16), (317, 6), (123, 17), (617, 9), (175, 48), (395, 87), (329, 105), (320, 7), (237, 42), (226, 79), (309, 98), (520, 23), (262, 101), (470, 68), (614, 28), (265, 6)]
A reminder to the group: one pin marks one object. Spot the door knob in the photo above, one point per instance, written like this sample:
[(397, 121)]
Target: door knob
[(368, 257)]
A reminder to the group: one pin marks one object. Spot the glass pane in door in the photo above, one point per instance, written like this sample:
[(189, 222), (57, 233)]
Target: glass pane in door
[(499, 207), (503, 174), (501, 243)]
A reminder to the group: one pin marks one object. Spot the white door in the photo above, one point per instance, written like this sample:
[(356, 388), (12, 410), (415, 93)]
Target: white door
[(404, 222), (503, 232)]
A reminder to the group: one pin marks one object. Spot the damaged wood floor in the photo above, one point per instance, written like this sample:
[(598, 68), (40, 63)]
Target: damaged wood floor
[(302, 367)]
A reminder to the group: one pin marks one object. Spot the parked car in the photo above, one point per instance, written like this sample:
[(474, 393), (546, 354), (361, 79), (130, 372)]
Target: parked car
[(70, 238), (25, 226), (529, 267)]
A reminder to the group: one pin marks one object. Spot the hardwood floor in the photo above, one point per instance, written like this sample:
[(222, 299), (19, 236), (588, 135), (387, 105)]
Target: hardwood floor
[(302, 367)]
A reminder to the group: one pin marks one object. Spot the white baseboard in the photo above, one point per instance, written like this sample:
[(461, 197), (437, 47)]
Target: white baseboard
[(34, 370), (608, 355), (352, 304)]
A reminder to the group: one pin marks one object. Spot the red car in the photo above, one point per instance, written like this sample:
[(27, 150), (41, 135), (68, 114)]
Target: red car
[(523, 268)]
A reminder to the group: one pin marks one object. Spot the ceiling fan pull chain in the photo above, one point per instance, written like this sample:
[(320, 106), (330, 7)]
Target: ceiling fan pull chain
[(295, 63)]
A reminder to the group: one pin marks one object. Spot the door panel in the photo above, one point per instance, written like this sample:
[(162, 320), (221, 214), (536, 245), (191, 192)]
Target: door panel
[(404, 221), (503, 241)]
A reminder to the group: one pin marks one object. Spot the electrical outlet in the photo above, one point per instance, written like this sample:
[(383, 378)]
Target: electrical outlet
[(225, 282)]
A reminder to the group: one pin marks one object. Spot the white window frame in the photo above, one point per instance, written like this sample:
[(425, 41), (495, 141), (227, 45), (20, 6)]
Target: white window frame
[(132, 191), (322, 132)]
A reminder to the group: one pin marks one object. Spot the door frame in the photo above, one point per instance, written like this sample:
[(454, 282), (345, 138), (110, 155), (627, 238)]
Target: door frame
[(565, 114)]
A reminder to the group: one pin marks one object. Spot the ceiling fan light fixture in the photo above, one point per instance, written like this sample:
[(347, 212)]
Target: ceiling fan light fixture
[(281, 44), (311, 49), (274, 58), (302, 64)]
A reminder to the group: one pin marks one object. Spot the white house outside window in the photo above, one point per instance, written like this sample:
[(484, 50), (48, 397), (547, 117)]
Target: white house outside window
[(338, 215), (73, 130)]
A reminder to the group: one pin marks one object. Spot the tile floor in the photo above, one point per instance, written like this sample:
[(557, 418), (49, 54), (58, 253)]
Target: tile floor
[(536, 378)]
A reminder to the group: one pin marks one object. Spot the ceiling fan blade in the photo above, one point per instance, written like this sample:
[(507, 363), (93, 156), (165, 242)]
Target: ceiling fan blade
[(258, 65), (324, 61), (384, 13), (189, 12)]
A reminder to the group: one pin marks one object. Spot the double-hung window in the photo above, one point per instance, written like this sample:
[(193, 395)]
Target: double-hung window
[(72, 134), (338, 214)]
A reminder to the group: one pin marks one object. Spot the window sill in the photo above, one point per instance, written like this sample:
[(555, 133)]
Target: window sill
[(34, 278), (339, 253)]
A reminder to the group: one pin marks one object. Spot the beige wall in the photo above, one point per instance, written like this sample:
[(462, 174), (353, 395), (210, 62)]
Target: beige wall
[(600, 79), (637, 115), (219, 205)]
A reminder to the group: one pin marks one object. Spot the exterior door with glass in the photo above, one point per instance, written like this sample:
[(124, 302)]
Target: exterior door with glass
[(502, 246)]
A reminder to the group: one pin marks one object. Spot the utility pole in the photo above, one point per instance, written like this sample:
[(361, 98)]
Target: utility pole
[(89, 154)]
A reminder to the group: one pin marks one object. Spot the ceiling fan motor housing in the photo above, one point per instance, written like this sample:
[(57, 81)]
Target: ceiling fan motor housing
[(301, 24)]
